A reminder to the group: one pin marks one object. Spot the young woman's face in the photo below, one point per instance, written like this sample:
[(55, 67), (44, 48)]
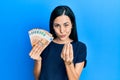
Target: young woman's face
[(62, 26)]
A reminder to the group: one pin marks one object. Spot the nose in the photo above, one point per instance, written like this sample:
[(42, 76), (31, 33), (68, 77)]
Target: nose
[(62, 29)]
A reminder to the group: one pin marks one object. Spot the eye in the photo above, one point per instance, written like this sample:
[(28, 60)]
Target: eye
[(56, 25), (66, 24)]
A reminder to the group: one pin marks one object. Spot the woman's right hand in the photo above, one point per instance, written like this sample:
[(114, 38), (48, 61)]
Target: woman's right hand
[(36, 52)]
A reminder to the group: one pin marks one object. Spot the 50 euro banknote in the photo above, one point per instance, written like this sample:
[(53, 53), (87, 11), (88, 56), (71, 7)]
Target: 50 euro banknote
[(40, 36)]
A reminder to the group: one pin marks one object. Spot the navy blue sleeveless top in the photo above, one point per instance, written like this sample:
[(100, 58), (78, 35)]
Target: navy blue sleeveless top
[(53, 67)]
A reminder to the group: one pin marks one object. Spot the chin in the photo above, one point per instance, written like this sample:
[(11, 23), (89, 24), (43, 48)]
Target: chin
[(63, 39)]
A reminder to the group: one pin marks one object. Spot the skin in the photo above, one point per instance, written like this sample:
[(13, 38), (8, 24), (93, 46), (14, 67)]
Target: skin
[(62, 27)]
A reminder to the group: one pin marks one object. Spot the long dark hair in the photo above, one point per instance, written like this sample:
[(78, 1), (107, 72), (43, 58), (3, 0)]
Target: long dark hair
[(58, 11)]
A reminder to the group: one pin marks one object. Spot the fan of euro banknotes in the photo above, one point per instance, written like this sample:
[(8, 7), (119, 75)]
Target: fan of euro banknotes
[(41, 36)]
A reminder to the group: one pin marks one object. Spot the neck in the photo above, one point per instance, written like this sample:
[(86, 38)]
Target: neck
[(62, 41)]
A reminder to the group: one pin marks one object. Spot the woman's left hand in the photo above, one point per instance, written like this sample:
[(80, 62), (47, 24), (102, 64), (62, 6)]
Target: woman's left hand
[(67, 53)]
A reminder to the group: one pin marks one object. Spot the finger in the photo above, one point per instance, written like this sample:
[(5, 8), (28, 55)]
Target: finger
[(31, 52), (35, 57), (63, 52), (71, 53), (67, 53), (35, 54), (35, 41), (34, 49), (39, 51)]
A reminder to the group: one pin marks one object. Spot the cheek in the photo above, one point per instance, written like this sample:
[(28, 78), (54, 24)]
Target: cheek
[(68, 30), (56, 31)]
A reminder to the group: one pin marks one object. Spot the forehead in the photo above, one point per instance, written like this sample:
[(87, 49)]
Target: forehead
[(62, 19)]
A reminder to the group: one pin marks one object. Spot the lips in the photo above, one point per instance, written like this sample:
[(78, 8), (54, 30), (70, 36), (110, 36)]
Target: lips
[(62, 36)]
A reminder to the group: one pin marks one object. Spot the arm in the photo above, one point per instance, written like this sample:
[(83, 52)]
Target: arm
[(35, 55), (37, 69), (73, 71)]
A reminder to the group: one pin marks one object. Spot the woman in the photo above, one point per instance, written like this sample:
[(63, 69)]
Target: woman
[(65, 57)]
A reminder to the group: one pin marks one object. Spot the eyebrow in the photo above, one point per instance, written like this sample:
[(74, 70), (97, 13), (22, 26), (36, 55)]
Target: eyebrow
[(58, 23), (66, 22)]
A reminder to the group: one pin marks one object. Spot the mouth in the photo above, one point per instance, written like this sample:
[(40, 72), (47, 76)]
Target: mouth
[(62, 36)]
